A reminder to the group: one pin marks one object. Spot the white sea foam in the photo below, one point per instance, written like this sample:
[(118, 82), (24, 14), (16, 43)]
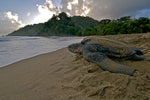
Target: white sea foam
[(14, 48)]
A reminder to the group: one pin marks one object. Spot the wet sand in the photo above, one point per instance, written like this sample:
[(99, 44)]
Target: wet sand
[(62, 75)]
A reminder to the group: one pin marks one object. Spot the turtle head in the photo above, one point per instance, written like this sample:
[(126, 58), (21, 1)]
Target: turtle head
[(76, 48), (85, 41)]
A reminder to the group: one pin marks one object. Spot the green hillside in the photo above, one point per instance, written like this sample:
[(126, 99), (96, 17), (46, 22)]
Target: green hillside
[(82, 26), (57, 25)]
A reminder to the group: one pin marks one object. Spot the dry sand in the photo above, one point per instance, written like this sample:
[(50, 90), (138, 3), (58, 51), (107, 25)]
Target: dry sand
[(61, 75)]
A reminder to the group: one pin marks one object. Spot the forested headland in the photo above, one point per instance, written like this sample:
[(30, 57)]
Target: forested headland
[(63, 25)]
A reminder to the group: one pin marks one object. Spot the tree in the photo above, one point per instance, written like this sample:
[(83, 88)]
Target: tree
[(105, 21), (143, 21), (63, 16), (124, 19)]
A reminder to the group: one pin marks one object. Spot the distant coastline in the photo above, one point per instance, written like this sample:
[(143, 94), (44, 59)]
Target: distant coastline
[(62, 25)]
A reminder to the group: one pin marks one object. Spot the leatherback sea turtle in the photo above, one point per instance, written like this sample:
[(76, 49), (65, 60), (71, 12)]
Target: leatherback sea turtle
[(99, 49)]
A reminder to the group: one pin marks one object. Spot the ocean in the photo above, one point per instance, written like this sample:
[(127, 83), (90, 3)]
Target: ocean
[(16, 48)]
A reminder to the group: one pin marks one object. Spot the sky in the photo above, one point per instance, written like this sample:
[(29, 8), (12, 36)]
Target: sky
[(15, 14)]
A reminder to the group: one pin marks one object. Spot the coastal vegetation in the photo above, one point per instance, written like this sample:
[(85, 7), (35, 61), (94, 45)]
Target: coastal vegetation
[(63, 25)]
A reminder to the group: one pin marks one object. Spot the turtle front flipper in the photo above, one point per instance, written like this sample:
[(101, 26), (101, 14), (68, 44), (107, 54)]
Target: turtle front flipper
[(137, 54), (91, 54)]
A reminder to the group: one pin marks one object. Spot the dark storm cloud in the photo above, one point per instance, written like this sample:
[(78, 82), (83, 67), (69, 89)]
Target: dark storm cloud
[(109, 8)]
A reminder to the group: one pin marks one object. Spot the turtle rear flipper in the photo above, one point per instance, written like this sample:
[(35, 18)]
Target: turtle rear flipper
[(99, 58), (109, 65)]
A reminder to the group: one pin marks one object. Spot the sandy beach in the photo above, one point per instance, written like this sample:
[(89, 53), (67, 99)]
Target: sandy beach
[(62, 75)]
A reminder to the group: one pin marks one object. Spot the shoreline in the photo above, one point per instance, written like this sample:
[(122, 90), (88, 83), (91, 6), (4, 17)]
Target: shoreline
[(15, 49), (62, 75), (22, 59)]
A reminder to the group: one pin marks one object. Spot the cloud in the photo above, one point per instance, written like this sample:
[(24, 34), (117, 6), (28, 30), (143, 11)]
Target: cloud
[(9, 22), (28, 14), (100, 9), (117, 8), (76, 7), (51, 7), (13, 18), (71, 7), (46, 11)]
